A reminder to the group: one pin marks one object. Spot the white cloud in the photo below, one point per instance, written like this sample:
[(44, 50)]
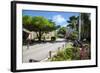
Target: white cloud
[(58, 19), (64, 25)]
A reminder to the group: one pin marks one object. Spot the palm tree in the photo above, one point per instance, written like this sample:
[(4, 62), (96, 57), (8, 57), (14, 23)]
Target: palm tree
[(86, 26), (73, 22)]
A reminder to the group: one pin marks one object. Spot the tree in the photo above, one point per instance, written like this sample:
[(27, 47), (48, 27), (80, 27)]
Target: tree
[(74, 35), (62, 31), (39, 24), (27, 22), (86, 26), (73, 22)]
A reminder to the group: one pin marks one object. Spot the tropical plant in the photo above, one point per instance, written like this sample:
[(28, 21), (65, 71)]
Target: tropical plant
[(62, 32), (68, 53), (86, 26), (74, 35), (72, 22)]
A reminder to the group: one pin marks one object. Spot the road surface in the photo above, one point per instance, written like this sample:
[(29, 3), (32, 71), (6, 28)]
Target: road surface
[(40, 51)]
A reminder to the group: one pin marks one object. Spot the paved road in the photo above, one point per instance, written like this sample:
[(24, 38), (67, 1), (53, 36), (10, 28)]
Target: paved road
[(40, 51)]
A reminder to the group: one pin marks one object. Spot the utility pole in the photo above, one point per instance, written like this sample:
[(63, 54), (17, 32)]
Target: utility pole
[(80, 27)]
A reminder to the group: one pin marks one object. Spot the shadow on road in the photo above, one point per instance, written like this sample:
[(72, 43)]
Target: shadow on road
[(46, 41)]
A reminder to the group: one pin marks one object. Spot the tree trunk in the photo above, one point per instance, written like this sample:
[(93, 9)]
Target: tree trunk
[(39, 37)]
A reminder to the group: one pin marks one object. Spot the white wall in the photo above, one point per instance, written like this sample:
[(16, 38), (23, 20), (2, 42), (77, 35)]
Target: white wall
[(5, 36)]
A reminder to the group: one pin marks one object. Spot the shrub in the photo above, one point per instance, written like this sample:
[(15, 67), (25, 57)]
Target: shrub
[(76, 54), (53, 38), (58, 57), (73, 36), (68, 53), (63, 55)]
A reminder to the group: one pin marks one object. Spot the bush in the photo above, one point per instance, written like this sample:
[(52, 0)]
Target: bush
[(61, 36), (58, 57), (53, 38), (76, 54), (73, 36), (68, 53), (63, 55)]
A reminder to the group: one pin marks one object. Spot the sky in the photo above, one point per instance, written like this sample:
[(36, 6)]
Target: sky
[(60, 18)]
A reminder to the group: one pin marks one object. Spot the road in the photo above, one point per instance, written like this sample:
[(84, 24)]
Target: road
[(41, 51)]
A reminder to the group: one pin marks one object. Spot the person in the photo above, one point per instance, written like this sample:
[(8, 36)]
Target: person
[(29, 40)]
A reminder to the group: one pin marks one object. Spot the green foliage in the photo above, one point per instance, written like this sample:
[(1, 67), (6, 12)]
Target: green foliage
[(73, 35), (53, 38), (38, 24), (58, 57), (76, 53), (72, 22), (62, 32), (60, 35), (68, 53), (27, 20), (86, 26)]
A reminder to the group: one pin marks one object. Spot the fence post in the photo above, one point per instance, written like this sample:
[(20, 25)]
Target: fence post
[(58, 48), (50, 54), (63, 45)]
